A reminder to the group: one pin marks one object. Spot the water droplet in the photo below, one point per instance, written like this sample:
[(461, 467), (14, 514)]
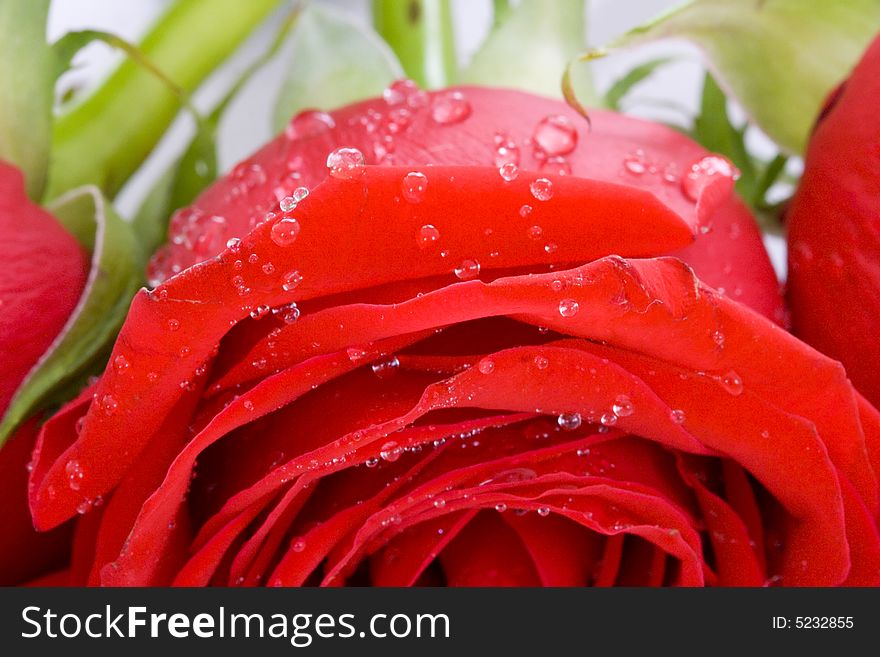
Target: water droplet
[(542, 189), (268, 268), (486, 366), (83, 507), (568, 307), (290, 280), (467, 270), (544, 511), (635, 163), (356, 353), (390, 451), (248, 405), (550, 247), (535, 232), (439, 503), (233, 244), (173, 324), (74, 473), (525, 211), (450, 107), (289, 314), (428, 235), (608, 419), (386, 367), (120, 364), (702, 172), (284, 232), (732, 383), (413, 186), (557, 166), (371, 462), (298, 545), (109, 404), (260, 311), (346, 164), (508, 171), (677, 415), (718, 338), (569, 421), (623, 406), (555, 135), (541, 362), (501, 507), (309, 123)]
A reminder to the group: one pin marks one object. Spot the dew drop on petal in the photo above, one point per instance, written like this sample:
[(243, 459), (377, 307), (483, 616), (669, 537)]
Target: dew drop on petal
[(390, 451), (544, 511), (285, 232), (386, 367), (555, 135), (486, 366), (450, 107), (413, 186), (732, 383), (568, 307), (428, 236), (635, 163), (623, 406), (703, 171), (298, 545), (109, 404), (569, 421), (290, 280), (525, 211), (309, 123), (508, 171), (120, 364), (467, 270), (371, 462), (501, 507), (541, 362), (542, 189), (346, 164), (535, 232), (608, 419), (75, 474), (173, 324), (677, 416)]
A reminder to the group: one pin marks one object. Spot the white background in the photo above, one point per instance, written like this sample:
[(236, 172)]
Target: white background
[(246, 124)]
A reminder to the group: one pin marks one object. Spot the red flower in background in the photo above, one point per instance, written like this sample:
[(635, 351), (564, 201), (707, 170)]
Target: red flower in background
[(44, 274), (834, 230), (433, 371)]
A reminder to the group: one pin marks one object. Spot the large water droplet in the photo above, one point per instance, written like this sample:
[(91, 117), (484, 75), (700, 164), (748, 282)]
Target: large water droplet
[(428, 236), (290, 280), (568, 307), (732, 383), (703, 171), (623, 406), (467, 270), (486, 366), (346, 164), (309, 123), (569, 421), (75, 474), (413, 186), (635, 163), (390, 451), (386, 367), (285, 231), (555, 135), (542, 189), (508, 171), (450, 107)]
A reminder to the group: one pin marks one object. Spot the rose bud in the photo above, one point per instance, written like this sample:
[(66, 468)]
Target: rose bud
[(833, 230), (45, 274), (489, 346)]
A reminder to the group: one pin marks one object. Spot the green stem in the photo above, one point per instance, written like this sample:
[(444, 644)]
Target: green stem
[(421, 34), (104, 139)]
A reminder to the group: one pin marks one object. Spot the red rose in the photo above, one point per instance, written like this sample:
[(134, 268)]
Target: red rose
[(44, 274), (436, 372), (834, 234)]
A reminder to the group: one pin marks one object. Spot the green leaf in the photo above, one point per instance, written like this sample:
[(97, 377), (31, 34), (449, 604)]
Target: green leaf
[(116, 274), (779, 58), (531, 48), (27, 83), (107, 136), (714, 130), (334, 61), (619, 90), (422, 35)]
